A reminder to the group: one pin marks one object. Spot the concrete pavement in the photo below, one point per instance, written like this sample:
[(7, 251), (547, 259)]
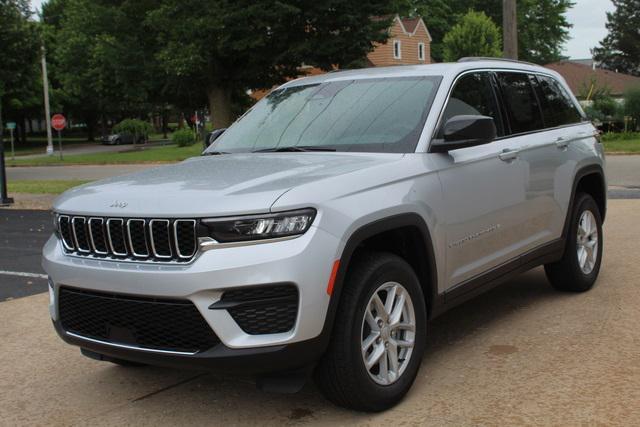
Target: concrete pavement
[(521, 354)]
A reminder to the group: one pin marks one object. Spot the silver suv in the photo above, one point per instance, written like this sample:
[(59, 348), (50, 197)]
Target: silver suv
[(323, 230)]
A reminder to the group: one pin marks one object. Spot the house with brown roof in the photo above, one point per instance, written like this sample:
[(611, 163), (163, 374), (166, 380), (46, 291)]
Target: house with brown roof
[(584, 80), (409, 43)]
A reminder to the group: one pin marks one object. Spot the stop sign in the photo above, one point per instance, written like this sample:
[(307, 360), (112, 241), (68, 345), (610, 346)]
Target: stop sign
[(58, 122)]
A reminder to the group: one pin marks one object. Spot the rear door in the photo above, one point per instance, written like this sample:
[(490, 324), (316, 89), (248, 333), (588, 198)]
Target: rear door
[(542, 148), (483, 188)]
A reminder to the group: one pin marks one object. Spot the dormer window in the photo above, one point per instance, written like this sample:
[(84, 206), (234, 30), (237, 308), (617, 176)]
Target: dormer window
[(421, 51), (397, 49)]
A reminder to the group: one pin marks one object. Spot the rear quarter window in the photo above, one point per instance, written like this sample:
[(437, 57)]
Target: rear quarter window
[(557, 106)]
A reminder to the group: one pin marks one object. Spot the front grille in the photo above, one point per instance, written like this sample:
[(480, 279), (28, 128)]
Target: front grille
[(158, 324), (129, 238), (262, 310)]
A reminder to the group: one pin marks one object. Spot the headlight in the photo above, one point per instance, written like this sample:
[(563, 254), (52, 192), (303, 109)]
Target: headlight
[(259, 227)]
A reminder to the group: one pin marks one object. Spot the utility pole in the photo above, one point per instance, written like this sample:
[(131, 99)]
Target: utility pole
[(510, 29), (47, 110)]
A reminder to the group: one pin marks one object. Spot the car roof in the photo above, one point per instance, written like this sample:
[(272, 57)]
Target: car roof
[(441, 69)]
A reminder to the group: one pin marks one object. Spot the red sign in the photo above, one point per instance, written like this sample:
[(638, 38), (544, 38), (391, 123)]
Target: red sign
[(58, 122)]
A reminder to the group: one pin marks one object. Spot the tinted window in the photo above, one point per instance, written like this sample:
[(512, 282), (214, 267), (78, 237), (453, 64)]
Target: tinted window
[(368, 115), (473, 95), (557, 107), (521, 102)]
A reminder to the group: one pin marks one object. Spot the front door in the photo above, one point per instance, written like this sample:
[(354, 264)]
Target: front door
[(483, 187)]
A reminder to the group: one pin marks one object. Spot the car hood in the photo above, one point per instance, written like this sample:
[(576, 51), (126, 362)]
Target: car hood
[(212, 185)]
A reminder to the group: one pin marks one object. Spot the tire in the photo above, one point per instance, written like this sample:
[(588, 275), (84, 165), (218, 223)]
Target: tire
[(569, 274), (341, 374)]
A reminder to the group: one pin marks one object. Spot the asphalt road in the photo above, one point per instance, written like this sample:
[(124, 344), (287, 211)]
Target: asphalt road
[(521, 354), (22, 236)]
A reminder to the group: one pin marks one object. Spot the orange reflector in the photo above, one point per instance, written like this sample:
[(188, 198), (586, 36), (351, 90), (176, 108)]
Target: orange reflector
[(332, 279)]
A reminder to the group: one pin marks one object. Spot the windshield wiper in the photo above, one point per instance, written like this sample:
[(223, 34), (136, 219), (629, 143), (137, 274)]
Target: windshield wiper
[(214, 153), (294, 148)]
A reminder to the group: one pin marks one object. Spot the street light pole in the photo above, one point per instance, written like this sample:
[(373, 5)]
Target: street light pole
[(510, 29), (47, 109)]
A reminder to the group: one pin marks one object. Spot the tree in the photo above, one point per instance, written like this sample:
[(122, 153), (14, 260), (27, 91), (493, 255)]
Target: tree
[(19, 48), (475, 35), (620, 49), (542, 25), (102, 58), (229, 47)]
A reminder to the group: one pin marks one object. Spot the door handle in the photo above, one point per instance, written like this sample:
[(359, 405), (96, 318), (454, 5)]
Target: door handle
[(508, 155), (562, 143)]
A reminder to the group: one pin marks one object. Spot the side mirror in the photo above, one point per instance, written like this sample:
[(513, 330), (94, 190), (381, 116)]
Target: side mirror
[(465, 131), (212, 136)]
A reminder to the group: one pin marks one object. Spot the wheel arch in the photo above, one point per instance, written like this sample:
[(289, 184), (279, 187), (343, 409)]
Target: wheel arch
[(589, 179), (367, 234)]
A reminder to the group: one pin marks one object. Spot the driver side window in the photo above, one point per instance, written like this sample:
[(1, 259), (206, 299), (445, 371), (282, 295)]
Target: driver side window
[(473, 95)]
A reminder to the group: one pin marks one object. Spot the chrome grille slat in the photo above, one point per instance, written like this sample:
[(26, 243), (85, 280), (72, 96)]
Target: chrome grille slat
[(64, 224), (134, 244), (78, 223), (101, 239), (129, 239), (181, 243), (111, 235), (157, 245)]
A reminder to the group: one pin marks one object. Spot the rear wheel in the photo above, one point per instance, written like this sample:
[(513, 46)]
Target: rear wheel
[(378, 338), (578, 269)]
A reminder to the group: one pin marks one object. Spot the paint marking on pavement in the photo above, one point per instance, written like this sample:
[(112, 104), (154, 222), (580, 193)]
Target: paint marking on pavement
[(23, 274)]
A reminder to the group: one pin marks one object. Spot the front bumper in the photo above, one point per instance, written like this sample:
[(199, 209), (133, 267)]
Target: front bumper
[(304, 262)]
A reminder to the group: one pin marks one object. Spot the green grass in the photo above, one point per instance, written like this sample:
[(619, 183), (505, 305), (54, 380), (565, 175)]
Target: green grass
[(164, 154), (622, 146), (42, 187)]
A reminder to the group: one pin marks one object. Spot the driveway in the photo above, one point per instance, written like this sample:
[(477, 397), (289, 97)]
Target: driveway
[(521, 354)]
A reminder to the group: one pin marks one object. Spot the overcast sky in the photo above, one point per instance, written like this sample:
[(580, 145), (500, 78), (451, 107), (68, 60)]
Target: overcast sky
[(587, 16)]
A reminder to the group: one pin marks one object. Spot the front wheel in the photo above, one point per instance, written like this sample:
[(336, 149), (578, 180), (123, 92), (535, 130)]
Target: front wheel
[(578, 269), (379, 335)]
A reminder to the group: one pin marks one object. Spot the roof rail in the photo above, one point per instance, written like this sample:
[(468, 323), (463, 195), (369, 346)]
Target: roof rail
[(486, 58)]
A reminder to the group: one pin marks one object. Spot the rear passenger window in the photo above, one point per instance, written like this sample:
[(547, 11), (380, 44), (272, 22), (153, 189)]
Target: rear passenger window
[(473, 95), (557, 106), (521, 102)]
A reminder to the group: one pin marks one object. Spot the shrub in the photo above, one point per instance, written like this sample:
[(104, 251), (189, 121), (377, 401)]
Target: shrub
[(134, 127), (632, 103), (183, 137), (621, 136)]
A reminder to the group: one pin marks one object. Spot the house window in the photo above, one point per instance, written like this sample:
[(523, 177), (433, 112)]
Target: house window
[(397, 49), (421, 51)]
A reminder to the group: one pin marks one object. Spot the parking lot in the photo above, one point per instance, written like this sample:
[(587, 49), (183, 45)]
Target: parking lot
[(521, 354)]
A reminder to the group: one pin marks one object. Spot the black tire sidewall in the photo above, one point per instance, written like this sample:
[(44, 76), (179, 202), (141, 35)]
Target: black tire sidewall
[(394, 269)]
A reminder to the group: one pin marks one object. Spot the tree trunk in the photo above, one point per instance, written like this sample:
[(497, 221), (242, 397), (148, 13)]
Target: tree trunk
[(220, 107)]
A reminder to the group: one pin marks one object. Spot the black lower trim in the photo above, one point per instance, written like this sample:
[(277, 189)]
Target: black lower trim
[(473, 287), (253, 361)]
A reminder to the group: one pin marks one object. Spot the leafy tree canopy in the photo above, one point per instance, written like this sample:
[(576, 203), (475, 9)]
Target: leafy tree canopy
[(231, 46), (620, 49), (542, 25), (475, 35)]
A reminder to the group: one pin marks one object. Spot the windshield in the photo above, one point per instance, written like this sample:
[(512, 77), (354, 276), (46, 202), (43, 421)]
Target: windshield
[(375, 115)]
